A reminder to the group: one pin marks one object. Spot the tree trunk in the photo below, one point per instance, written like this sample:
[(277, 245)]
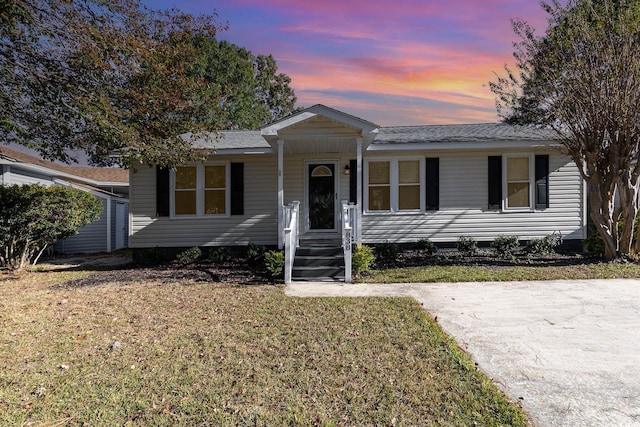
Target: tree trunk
[(602, 216)]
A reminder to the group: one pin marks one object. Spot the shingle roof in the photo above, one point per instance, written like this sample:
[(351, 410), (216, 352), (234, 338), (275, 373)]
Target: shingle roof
[(229, 139), (461, 133), (92, 173)]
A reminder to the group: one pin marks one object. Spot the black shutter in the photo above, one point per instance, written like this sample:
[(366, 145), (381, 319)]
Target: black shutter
[(237, 188), (163, 189), (353, 181), (542, 181), (495, 182), (433, 183)]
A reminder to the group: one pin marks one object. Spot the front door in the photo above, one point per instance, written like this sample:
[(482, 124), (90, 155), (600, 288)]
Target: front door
[(321, 180)]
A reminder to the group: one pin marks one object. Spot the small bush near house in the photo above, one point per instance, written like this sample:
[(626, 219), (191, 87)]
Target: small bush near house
[(362, 258), (543, 246), (505, 246), (426, 247), (274, 264), (467, 246), (189, 256), (255, 253), (220, 255), (33, 217), (386, 254)]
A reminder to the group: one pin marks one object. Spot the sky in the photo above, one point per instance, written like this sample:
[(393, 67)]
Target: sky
[(392, 62)]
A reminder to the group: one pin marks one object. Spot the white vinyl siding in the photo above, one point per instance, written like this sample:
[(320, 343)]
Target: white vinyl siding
[(463, 212), (463, 204), (259, 224)]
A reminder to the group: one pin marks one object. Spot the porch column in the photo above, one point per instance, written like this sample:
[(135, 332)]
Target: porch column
[(359, 189), (280, 192)]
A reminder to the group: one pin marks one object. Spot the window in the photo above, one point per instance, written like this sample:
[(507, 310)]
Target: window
[(186, 191), (409, 185), (395, 185), (518, 182), (524, 179), (201, 190), (215, 189), (379, 186)]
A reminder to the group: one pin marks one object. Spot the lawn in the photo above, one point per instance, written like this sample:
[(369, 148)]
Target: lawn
[(484, 267), (175, 347)]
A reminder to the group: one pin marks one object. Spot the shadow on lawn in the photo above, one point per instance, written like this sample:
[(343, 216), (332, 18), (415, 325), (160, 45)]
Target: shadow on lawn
[(227, 274)]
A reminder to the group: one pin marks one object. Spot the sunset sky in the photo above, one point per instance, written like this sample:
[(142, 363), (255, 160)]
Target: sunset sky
[(393, 62)]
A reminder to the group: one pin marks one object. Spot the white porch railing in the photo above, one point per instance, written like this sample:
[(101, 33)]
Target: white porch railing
[(291, 237), (350, 225)]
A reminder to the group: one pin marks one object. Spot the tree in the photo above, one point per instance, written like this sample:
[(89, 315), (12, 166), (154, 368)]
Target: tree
[(101, 76), (582, 79), (252, 92), (33, 217)]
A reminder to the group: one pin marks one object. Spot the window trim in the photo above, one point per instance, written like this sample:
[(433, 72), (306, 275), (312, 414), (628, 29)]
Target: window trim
[(505, 185), (394, 186), (200, 191)]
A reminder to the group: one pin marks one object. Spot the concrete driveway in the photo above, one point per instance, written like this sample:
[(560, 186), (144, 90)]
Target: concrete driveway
[(569, 351)]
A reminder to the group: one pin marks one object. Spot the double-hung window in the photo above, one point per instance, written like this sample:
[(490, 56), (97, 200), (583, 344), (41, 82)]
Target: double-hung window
[(518, 182), (201, 190), (394, 185)]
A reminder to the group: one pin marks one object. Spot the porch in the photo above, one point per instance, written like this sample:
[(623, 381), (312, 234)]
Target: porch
[(319, 154)]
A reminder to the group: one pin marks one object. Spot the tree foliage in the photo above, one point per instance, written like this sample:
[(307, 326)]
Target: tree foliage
[(582, 79), (114, 76), (252, 92), (33, 217)]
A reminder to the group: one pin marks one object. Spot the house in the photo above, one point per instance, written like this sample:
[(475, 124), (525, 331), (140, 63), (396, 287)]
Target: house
[(111, 185), (324, 178)]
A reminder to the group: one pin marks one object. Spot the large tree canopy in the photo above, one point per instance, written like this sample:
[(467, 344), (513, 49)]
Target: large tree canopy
[(582, 79), (252, 92), (112, 75)]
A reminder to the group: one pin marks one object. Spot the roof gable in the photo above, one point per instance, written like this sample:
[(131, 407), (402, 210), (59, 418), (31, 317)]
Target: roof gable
[(312, 113)]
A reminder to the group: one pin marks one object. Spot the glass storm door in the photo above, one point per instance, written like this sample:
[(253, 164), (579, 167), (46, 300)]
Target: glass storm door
[(321, 179)]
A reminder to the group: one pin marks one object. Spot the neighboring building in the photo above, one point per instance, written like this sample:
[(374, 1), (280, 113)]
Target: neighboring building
[(111, 185), (409, 183)]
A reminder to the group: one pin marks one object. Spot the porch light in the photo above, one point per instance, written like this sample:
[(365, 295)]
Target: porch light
[(347, 170)]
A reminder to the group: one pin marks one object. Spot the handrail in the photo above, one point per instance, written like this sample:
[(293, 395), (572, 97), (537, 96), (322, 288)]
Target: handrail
[(291, 237), (349, 232)]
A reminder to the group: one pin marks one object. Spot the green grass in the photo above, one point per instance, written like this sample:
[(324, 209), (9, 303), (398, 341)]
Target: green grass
[(466, 273), (199, 353)]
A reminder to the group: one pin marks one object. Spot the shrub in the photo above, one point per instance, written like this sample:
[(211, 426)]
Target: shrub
[(544, 246), (153, 256), (426, 247), (386, 254), (505, 246), (255, 253), (189, 255), (220, 255), (594, 244), (362, 258), (33, 217), (274, 264), (467, 246)]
